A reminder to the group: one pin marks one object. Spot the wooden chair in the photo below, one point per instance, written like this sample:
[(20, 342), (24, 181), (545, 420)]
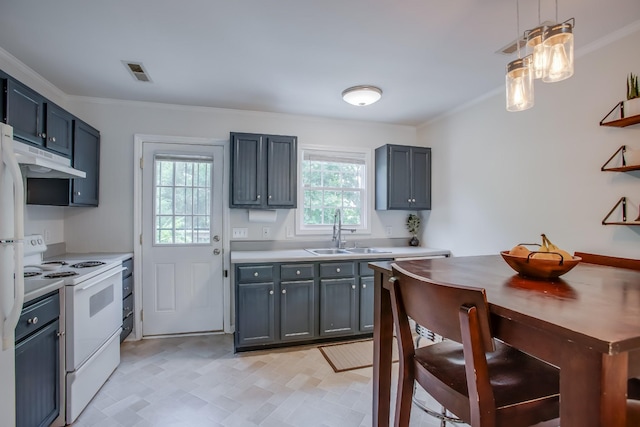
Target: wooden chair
[(633, 413), (484, 382)]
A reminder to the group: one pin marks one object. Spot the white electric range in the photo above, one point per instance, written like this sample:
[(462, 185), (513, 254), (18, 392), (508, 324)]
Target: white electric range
[(93, 317)]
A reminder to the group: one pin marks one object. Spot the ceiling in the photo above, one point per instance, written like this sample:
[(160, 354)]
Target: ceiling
[(289, 56)]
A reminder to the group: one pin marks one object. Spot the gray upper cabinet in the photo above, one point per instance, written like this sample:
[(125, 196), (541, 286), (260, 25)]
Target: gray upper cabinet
[(59, 133), (403, 178), (86, 157), (24, 111), (263, 171), (36, 120)]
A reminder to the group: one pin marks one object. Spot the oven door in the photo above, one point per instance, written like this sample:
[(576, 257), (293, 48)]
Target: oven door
[(94, 313)]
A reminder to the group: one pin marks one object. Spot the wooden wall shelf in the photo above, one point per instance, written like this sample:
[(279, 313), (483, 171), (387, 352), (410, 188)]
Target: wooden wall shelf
[(624, 167), (623, 121), (623, 202)]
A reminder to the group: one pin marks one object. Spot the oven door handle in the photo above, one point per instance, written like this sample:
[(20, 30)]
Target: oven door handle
[(99, 278)]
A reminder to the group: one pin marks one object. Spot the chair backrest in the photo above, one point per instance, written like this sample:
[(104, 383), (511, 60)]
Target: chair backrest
[(632, 264), (437, 307)]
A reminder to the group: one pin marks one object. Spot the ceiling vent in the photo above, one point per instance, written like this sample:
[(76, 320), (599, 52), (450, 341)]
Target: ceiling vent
[(137, 70), (512, 47)]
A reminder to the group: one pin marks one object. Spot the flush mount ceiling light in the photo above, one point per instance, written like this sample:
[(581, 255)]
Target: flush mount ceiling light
[(362, 95)]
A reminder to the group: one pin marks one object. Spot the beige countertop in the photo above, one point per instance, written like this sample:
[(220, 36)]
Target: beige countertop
[(293, 255)]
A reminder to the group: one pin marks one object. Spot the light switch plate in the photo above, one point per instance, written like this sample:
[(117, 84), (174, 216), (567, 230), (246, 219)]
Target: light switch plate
[(240, 233), (266, 233), (389, 230)]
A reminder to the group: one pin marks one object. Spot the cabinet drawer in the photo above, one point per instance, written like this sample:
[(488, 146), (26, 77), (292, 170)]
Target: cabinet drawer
[(128, 264), (127, 286), (255, 273), (37, 315), (296, 271), (337, 269), (127, 306), (127, 327)]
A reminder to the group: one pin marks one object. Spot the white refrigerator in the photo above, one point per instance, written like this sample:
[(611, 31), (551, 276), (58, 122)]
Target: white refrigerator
[(11, 268)]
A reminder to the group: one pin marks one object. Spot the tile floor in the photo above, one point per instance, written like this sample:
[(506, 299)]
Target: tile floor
[(198, 382)]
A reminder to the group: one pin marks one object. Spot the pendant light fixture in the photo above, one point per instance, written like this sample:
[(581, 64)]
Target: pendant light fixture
[(362, 95), (535, 46), (519, 78), (558, 47)]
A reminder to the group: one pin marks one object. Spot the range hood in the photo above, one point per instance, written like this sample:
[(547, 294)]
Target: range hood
[(37, 163)]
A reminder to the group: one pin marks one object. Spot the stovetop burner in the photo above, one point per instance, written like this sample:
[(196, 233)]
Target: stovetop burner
[(54, 263), (61, 274), (87, 264), (28, 274)]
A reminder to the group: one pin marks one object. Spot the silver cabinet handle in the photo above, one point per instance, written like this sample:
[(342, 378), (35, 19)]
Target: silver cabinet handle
[(271, 292), (255, 274), (258, 197), (364, 286), (409, 200), (77, 193), (33, 321), (298, 272), (338, 270), (413, 200), (353, 286), (284, 291), (52, 138)]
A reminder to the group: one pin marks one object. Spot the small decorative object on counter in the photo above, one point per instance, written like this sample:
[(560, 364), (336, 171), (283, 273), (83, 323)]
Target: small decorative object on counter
[(633, 89), (413, 225)]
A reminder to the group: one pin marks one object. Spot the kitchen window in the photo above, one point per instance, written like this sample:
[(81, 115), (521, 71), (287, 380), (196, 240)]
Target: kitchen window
[(330, 180), (182, 186)]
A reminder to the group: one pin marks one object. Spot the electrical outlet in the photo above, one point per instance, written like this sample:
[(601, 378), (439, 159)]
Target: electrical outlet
[(389, 230), (240, 233), (47, 236), (266, 233)]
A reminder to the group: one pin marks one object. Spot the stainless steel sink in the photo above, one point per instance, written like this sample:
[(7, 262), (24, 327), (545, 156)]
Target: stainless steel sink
[(336, 251), (327, 251), (366, 251)]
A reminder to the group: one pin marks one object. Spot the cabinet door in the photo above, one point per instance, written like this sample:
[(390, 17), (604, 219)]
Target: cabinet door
[(59, 125), (38, 378), (255, 316), (297, 310), (86, 157), (282, 171), (24, 112), (421, 178), (247, 166), (338, 307), (399, 185), (366, 304)]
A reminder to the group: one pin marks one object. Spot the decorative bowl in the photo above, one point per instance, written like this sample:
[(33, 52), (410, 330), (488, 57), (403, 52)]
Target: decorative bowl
[(540, 268)]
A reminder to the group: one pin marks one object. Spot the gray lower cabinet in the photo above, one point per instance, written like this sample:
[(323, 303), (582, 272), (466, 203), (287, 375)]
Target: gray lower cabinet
[(37, 367), (297, 310), (338, 307), (366, 304), (298, 302), (256, 314)]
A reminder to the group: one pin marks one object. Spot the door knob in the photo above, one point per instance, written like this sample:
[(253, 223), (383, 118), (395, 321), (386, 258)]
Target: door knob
[(216, 251)]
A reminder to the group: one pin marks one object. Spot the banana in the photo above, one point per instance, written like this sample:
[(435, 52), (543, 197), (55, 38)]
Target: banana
[(554, 248)]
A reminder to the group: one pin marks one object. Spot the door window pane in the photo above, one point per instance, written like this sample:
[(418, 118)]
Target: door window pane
[(182, 193)]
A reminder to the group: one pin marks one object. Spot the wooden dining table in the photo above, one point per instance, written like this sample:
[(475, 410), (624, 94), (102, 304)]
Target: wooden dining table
[(587, 323)]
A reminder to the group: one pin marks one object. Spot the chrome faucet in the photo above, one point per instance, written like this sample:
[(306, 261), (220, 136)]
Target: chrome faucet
[(337, 229)]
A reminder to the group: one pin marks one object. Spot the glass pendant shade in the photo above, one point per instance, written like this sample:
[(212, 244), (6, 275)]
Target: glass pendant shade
[(558, 46), (537, 51), (519, 81), (362, 95)]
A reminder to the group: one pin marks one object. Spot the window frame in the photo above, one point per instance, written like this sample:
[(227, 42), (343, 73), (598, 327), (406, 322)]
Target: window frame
[(366, 204)]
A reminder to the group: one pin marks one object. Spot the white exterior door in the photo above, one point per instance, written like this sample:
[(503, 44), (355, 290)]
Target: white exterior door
[(182, 262)]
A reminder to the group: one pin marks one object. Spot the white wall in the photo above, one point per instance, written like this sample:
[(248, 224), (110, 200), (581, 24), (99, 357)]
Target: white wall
[(502, 178), (112, 221)]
